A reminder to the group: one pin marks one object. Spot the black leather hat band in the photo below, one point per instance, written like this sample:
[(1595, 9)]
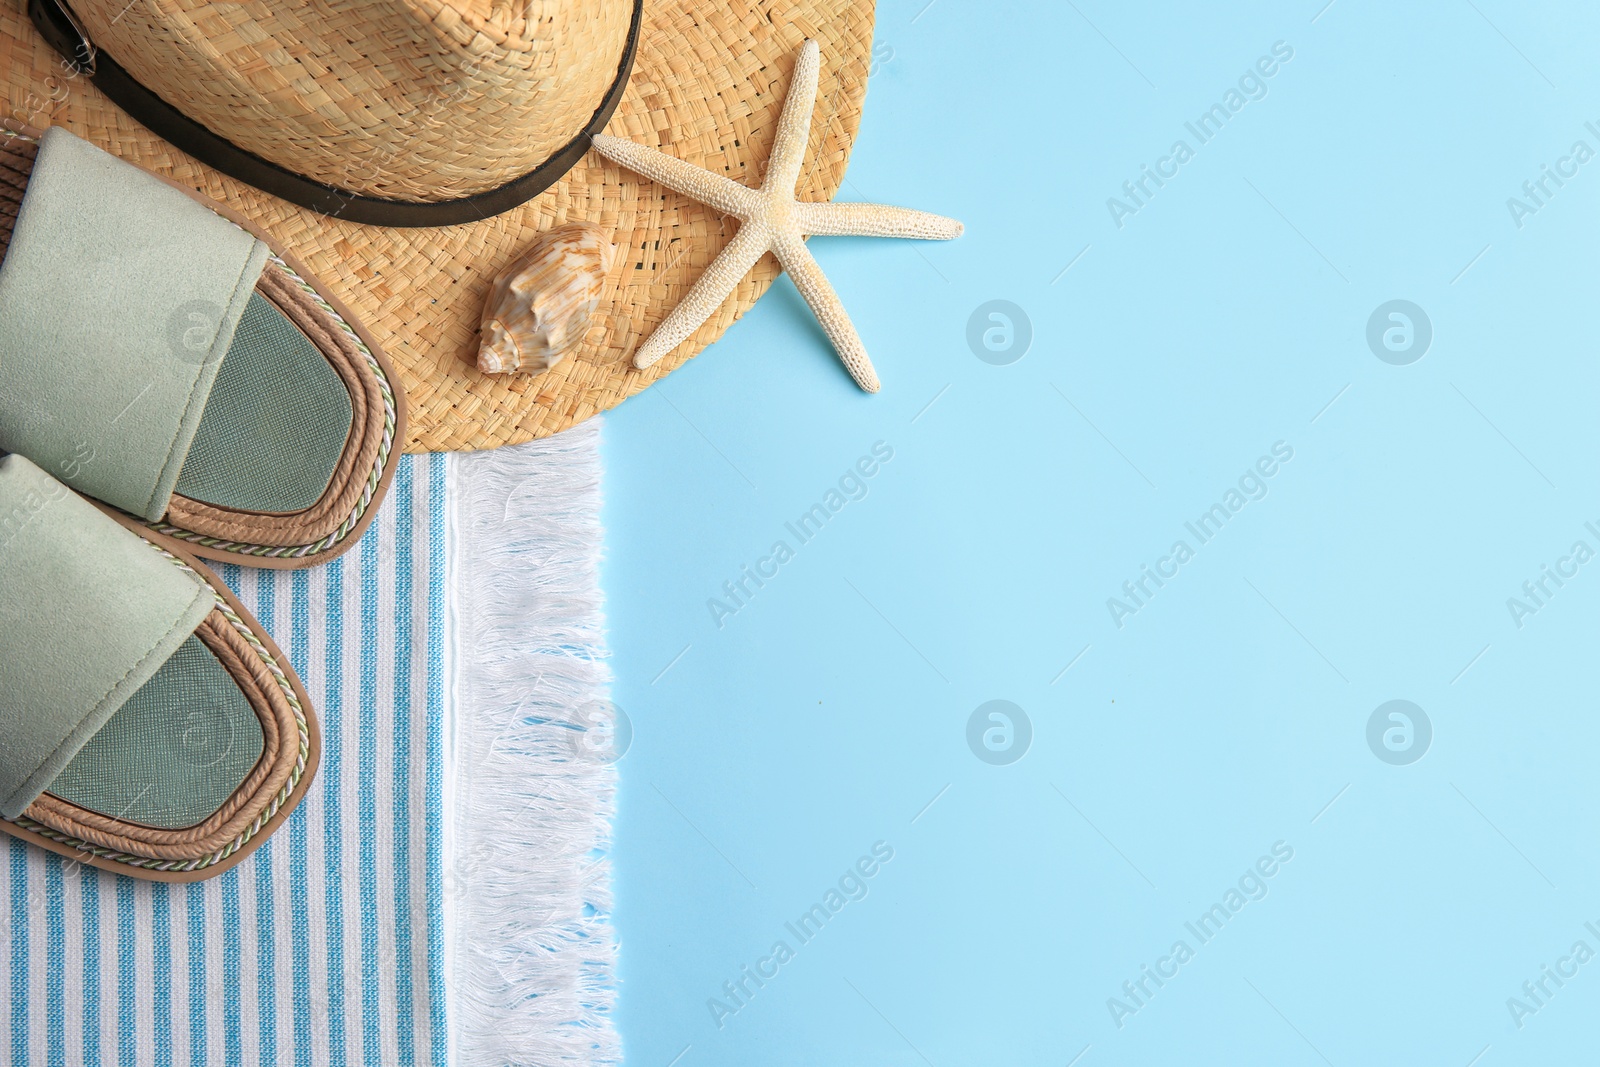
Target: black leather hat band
[(62, 30)]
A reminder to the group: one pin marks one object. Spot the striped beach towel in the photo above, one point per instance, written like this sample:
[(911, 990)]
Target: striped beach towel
[(353, 935)]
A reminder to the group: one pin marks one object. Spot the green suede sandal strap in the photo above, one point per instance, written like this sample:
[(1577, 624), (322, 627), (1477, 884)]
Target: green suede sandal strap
[(119, 296), (89, 611)]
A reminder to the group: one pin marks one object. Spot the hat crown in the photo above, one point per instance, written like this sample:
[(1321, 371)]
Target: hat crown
[(417, 100)]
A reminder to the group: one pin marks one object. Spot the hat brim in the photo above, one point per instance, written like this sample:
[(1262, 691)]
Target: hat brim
[(708, 85)]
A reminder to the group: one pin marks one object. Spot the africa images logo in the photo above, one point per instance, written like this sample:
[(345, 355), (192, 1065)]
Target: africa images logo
[(1399, 732), (999, 332), (1251, 885), (850, 486), (1252, 485), (999, 733), (1537, 592), (852, 885), (1252, 85), (1399, 332)]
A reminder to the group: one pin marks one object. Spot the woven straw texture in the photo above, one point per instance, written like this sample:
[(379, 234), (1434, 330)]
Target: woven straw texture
[(707, 87), (437, 100)]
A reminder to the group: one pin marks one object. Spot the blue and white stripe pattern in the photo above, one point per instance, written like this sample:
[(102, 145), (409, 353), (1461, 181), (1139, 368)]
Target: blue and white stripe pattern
[(325, 947)]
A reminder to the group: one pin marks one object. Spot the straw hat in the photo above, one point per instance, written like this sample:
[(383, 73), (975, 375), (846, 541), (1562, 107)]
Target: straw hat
[(419, 114)]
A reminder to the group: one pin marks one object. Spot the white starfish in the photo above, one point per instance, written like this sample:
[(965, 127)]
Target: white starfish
[(772, 220)]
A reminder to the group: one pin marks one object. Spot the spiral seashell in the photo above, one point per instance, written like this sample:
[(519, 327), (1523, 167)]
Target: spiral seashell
[(542, 305)]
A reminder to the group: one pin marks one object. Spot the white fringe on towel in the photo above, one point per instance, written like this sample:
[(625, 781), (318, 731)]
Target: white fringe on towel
[(531, 957)]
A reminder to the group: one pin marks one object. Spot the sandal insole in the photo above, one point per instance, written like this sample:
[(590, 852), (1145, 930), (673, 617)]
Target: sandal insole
[(275, 424), (173, 753)]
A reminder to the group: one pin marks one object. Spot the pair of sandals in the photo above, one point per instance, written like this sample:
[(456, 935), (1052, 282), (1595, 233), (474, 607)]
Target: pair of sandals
[(172, 385)]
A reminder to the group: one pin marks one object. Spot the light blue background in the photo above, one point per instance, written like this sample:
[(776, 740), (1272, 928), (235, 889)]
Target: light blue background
[(1230, 713)]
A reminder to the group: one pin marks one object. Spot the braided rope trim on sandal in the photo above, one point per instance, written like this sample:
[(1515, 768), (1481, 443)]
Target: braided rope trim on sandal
[(262, 818), (385, 447)]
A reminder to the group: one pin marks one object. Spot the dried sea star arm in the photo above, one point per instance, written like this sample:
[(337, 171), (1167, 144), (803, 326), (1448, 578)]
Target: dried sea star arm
[(825, 304), (794, 126), (844, 219), (713, 190), (706, 295)]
